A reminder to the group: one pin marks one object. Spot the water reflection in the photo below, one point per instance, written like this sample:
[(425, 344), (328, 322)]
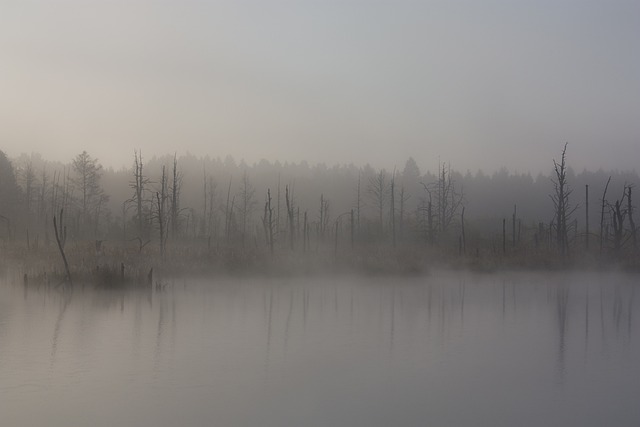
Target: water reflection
[(66, 299), (562, 302), (339, 351)]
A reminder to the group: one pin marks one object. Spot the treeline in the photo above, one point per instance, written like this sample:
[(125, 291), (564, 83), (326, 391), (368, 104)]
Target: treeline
[(221, 204)]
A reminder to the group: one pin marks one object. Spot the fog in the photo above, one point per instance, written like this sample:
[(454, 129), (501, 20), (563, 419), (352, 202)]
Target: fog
[(313, 213), (483, 85)]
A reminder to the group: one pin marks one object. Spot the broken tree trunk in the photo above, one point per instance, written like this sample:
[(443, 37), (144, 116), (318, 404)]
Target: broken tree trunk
[(61, 237)]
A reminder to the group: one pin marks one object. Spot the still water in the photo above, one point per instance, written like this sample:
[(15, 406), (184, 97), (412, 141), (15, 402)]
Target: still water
[(448, 349)]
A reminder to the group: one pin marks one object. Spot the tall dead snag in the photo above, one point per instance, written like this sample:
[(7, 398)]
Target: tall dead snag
[(161, 212), (358, 202), (445, 202), (513, 226), (176, 185), (463, 238), (425, 213), (247, 206), (267, 221), (352, 229), (562, 208), (305, 233), (61, 238), (289, 202), (138, 186), (632, 224), (392, 208), (618, 214), (379, 193), (403, 201), (586, 211), (204, 211), (227, 213), (324, 216), (604, 203)]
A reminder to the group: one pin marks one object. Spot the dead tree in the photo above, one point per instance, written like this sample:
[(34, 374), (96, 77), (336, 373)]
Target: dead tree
[(463, 237), (175, 198), (358, 202), (324, 216), (425, 212), (562, 207), (513, 227), (305, 233), (620, 211), (161, 212), (586, 210), (632, 224), (392, 208), (403, 200), (604, 201), (227, 213), (267, 221), (379, 193), (618, 214), (289, 202), (61, 238), (444, 203), (246, 205), (138, 185), (352, 229)]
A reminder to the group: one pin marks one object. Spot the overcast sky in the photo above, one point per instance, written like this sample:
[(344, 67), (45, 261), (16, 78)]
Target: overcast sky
[(480, 84)]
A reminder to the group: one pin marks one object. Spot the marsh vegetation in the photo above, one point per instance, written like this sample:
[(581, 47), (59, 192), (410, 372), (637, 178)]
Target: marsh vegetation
[(183, 215)]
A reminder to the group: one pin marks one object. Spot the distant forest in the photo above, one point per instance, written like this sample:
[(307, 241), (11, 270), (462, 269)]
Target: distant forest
[(160, 203)]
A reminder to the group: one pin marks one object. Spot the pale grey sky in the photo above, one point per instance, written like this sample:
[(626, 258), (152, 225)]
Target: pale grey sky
[(482, 84)]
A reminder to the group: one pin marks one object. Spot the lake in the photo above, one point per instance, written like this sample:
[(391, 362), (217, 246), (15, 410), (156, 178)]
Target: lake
[(447, 349)]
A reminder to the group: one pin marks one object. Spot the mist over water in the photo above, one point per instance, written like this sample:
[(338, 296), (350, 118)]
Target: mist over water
[(445, 349)]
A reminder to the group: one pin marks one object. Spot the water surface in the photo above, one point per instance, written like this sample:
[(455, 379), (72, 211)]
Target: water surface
[(449, 349)]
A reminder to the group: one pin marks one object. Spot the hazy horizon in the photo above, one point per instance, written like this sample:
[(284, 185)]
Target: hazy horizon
[(482, 86)]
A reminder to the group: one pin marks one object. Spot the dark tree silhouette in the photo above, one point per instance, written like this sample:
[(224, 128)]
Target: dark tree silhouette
[(86, 180), (562, 208)]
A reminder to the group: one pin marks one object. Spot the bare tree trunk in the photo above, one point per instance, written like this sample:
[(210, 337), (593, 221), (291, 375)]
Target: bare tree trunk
[(289, 203), (464, 239), (175, 198), (161, 203), (352, 229), (139, 182), (604, 201), (403, 200), (560, 200), (61, 238), (392, 210), (618, 226), (278, 207), (358, 203), (632, 223), (204, 211), (586, 236), (305, 236), (513, 227), (430, 221), (227, 214), (335, 244), (267, 221)]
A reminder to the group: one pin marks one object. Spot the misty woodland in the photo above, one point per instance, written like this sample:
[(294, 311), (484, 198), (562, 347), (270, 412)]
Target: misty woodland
[(79, 221)]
